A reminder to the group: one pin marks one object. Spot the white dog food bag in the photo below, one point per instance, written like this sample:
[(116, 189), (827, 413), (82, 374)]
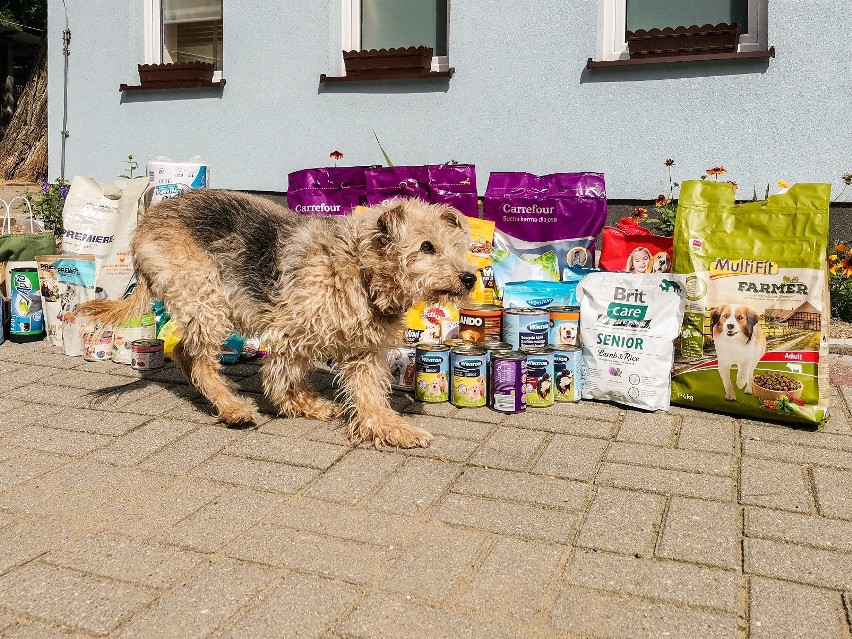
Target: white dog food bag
[(627, 324)]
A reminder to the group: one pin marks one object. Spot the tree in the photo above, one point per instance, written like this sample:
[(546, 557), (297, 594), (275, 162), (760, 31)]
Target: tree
[(23, 149), (25, 13)]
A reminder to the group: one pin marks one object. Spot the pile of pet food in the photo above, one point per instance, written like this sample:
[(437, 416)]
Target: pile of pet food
[(730, 315)]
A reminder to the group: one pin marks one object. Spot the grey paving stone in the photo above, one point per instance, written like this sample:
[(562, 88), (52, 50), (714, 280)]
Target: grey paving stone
[(187, 453), (88, 603), (455, 427), (94, 381), (6, 520), (84, 420), (197, 410), (622, 521), (565, 424), (370, 620), (521, 520), (290, 427), (55, 395), (793, 562), (355, 476), (295, 451), (25, 540), (160, 401), (833, 496), (571, 457), (221, 521), (47, 359), (715, 435), (109, 482), (599, 614), (256, 474), (443, 409), (670, 458), (144, 442), (509, 448), (325, 598), (673, 482), (25, 465), (330, 433), (483, 415), (774, 484), (647, 428), (797, 454), (778, 434), (796, 528), (414, 486), (39, 631), (513, 578), (204, 604), (6, 622), (63, 442), (109, 555), (701, 531), (587, 409), (523, 487), (784, 610), (350, 561), (449, 449), (432, 565)]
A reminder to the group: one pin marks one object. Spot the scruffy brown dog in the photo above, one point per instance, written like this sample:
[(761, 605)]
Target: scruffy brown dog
[(313, 287)]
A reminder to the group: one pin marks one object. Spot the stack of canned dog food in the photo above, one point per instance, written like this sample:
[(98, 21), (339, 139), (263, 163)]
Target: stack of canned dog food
[(484, 355)]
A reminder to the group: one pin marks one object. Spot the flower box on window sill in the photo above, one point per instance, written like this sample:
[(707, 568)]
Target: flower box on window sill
[(175, 75), (670, 42), (366, 64)]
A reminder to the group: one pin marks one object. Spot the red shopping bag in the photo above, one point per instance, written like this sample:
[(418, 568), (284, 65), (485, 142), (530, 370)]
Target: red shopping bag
[(633, 248)]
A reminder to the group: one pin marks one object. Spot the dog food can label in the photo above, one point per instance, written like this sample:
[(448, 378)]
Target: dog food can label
[(567, 373), (469, 368), (402, 367), (27, 316), (98, 350), (539, 387), (564, 325), (123, 336), (523, 327), (508, 381), (456, 342), (432, 373), (147, 354), (481, 322), (429, 324)]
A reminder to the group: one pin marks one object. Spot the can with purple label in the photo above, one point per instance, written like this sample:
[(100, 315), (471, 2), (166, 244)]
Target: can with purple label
[(508, 381)]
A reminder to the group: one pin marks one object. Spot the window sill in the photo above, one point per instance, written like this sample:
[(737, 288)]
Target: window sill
[(164, 85), (388, 75), (700, 57)]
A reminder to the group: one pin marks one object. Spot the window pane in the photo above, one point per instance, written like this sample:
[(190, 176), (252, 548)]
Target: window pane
[(404, 23), (192, 30), (649, 14)]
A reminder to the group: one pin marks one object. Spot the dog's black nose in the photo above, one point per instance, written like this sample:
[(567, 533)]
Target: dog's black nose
[(468, 280)]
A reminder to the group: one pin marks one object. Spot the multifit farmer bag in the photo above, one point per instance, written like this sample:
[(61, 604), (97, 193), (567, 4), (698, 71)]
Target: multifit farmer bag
[(754, 340), (633, 248), (543, 223), (326, 190), (627, 324)]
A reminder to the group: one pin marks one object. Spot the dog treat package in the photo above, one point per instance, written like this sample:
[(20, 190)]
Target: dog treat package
[(450, 184), (631, 247), (76, 275), (169, 178), (754, 340), (627, 324), (481, 241), (51, 296), (99, 219), (430, 324), (543, 223), (539, 294), (326, 190)]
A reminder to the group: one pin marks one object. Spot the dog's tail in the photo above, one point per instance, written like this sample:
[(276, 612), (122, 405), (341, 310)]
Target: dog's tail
[(105, 312)]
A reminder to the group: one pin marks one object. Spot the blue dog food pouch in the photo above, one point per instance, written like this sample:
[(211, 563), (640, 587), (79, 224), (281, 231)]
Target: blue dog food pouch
[(539, 294)]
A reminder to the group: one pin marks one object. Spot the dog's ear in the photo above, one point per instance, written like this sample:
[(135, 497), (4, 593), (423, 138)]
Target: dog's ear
[(751, 319), (450, 217), (715, 316), (391, 221)]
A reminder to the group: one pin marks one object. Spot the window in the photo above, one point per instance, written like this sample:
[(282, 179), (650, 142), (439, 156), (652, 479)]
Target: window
[(384, 24), (623, 15), (184, 31)]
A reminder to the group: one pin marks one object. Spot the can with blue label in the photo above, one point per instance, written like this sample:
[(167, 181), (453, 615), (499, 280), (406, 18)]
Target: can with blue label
[(26, 316), (432, 373), (470, 371), (564, 325), (539, 387), (567, 373), (524, 327), (508, 381)]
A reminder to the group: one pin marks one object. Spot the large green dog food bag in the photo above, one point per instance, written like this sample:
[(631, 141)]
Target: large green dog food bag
[(754, 340)]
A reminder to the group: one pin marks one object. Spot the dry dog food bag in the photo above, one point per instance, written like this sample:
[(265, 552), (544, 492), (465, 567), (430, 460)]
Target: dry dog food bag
[(631, 247), (76, 275), (481, 241), (450, 184), (627, 326), (326, 190), (51, 296), (754, 339)]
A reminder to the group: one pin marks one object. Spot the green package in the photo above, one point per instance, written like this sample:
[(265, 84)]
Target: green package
[(754, 340)]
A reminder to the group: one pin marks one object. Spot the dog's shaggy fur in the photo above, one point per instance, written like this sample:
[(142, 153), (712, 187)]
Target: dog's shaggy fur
[(314, 288)]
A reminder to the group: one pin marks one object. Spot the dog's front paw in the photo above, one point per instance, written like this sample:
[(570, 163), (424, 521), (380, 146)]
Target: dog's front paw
[(731, 397), (395, 431), (239, 414), (323, 409)]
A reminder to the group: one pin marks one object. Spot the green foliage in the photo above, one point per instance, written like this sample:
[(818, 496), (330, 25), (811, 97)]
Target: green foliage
[(48, 203), (132, 165), (27, 13), (840, 280)]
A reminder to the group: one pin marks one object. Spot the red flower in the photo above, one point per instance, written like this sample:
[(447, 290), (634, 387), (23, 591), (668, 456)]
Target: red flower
[(335, 155), (669, 162)]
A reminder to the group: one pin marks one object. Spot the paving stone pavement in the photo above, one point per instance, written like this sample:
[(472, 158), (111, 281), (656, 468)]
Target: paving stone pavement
[(126, 511)]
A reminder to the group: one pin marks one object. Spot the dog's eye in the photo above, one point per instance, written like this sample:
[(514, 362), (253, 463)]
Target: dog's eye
[(427, 247)]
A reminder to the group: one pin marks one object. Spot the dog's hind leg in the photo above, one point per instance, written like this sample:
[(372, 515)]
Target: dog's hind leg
[(286, 386)]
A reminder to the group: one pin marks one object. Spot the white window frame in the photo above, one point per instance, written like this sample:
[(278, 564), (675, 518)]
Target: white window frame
[(351, 40), (154, 35), (614, 24)]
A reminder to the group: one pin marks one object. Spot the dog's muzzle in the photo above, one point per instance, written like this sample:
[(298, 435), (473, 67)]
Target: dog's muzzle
[(468, 280)]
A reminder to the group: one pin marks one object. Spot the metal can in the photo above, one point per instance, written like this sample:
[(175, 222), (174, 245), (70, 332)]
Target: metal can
[(508, 381), (470, 370), (401, 363), (98, 347), (539, 387), (564, 325), (481, 322), (432, 373), (27, 317), (567, 373), (123, 336), (456, 342), (147, 354), (526, 327), (490, 347)]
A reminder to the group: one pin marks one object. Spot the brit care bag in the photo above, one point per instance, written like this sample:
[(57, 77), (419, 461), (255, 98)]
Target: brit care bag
[(326, 190), (754, 340), (631, 247)]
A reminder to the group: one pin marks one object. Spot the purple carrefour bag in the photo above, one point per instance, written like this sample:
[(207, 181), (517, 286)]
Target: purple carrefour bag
[(326, 190), (450, 184), (543, 224), (388, 182)]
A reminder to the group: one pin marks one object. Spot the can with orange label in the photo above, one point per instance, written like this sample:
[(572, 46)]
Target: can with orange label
[(481, 322)]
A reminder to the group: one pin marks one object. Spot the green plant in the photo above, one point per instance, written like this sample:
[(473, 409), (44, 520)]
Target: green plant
[(48, 204), (132, 165), (666, 206), (840, 280)]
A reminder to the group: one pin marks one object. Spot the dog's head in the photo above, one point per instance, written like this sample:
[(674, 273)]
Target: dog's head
[(563, 381), (731, 320), (567, 334), (544, 385), (415, 251), (660, 263)]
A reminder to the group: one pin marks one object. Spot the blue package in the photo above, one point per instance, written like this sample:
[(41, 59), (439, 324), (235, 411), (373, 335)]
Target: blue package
[(539, 294), (232, 348)]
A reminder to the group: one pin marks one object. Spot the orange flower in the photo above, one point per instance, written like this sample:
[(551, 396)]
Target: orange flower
[(662, 200), (639, 215), (717, 170), (846, 263), (833, 269), (833, 259), (335, 155), (840, 248), (669, 162), (734, 185)]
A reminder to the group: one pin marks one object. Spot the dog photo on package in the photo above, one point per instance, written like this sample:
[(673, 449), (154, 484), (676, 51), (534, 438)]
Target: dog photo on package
[(754, 336)]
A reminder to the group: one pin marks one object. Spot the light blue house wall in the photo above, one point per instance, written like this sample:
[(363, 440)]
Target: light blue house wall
[(521, 99)]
